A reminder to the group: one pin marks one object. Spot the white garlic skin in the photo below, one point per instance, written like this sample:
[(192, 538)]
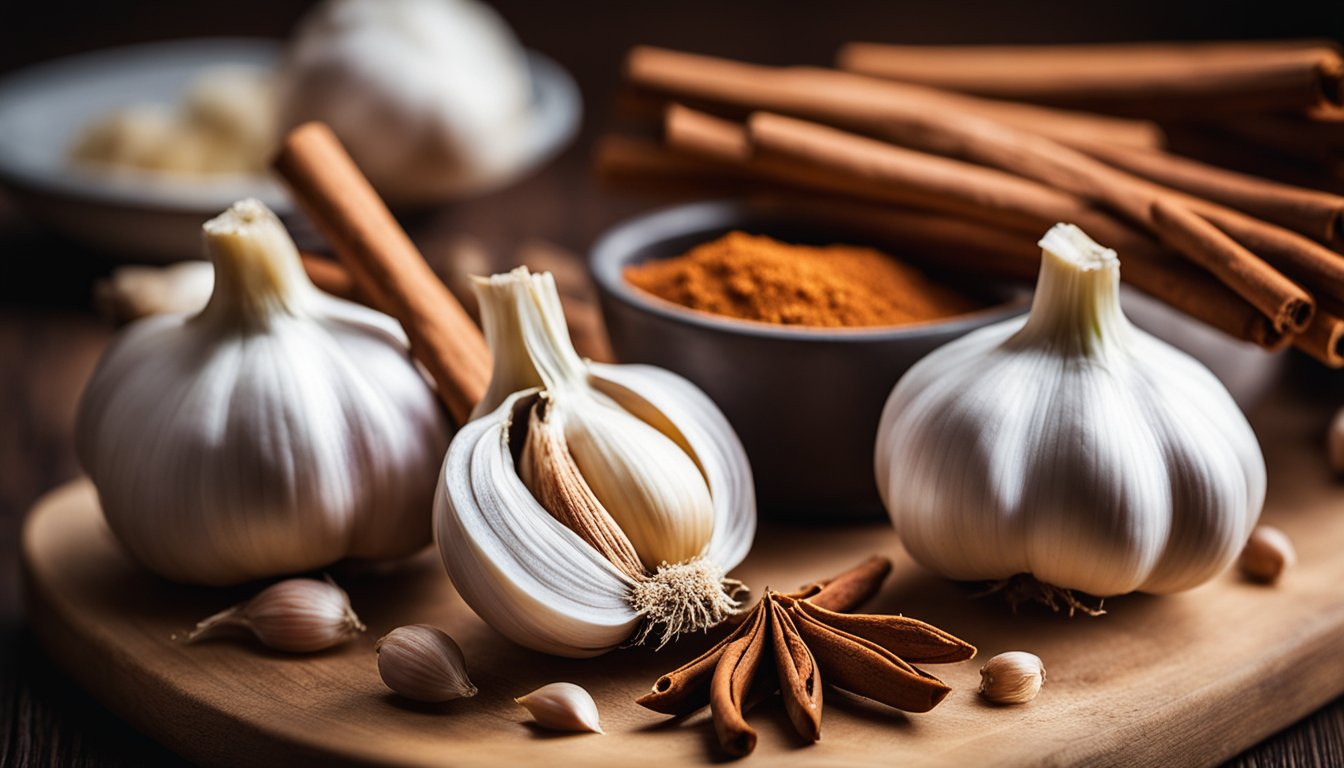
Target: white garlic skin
[(294, 615), (430, 96), (522, 571), (563, 707), (1014, 677), (1071, 446), (423, 663), (277, 431)]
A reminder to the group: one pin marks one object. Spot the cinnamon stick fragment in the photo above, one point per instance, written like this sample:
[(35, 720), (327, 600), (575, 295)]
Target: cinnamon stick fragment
[(911, 639), (380, 257), (859, 666), (799, 678), (843, 98), (1288, 306), (1147, 79), (732, 681)]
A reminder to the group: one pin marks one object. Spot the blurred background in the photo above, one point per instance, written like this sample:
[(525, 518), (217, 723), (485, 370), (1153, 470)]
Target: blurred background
[(50, 338)]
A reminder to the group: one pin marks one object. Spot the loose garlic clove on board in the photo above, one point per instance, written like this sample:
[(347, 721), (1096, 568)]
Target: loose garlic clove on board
[(1014, 677), (1267, 555), (562, 707), (423, 663), (295, 615)]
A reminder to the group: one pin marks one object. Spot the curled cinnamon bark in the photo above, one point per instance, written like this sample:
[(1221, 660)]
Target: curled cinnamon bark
[(732, 680)]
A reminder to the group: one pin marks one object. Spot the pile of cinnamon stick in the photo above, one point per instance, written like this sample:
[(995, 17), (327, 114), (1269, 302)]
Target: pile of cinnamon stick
[(972, 181)]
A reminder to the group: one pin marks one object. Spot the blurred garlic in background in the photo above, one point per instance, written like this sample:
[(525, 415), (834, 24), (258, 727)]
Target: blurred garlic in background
[(224, 124), (430, 96)]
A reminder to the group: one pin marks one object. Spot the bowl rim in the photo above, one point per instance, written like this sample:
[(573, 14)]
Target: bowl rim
[(613, 250)]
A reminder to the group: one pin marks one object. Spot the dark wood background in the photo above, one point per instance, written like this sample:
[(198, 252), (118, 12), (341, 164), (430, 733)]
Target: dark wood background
[(49, 339)]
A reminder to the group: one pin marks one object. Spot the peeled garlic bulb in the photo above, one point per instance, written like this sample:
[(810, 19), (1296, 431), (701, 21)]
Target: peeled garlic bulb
[(277, 431), (295, 615), (1072, 447), (586, 503), (431, 97), (562, 707), (423, 663)]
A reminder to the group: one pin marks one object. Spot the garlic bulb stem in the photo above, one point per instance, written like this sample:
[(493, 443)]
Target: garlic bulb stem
[(257, 268), (1076, 306)]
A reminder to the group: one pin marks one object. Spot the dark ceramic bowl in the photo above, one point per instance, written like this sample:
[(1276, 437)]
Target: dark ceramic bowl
[(805, 401)]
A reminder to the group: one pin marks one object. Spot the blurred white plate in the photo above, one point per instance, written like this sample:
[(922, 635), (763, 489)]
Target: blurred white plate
[(154, 218)]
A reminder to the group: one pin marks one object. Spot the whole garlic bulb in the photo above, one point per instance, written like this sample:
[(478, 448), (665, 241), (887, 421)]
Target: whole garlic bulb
[(1072, 447), (430, 96), (278, 430), (586, 503)]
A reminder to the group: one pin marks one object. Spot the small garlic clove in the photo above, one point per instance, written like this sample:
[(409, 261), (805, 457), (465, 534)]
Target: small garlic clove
[(562, 707), (423, 663), (295, 615), (1014, 677), (1267, 554)]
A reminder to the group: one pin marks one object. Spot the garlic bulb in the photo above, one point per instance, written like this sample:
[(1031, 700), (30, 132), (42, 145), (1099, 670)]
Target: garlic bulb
[(1070, 446), (430, 96), (295, 615), (278, 430), (587, 503), (562, 707), (423, 663)]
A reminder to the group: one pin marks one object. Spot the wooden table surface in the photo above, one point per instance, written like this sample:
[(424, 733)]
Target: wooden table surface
[(49, 339)]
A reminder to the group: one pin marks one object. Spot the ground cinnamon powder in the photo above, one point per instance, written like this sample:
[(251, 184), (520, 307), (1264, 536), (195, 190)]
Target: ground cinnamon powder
[(754, 277)]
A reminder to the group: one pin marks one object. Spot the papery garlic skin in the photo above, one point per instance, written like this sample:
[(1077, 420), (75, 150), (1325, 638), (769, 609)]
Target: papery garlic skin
[(294, 615), (525, 573), (1071, 446), (423, 663), (277, 431)]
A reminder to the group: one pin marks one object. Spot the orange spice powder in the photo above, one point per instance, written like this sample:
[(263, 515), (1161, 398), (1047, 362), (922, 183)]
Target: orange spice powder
[(753, 277)]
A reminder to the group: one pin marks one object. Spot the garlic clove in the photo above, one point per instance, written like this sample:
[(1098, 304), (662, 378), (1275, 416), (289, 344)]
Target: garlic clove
[(1267, 554), (423, 663), (562, 707), (649, 485), (1014, 677), (295, 615), (550, 473)]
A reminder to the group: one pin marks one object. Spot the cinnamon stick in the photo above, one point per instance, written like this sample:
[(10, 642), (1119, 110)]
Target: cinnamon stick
[(850, 589), (1314, 213), (844, 98), (732, 680), (686, 688), (1145, 79), (860, 666), (1287, 305), (379, 255), (799, 678), (955, 242)]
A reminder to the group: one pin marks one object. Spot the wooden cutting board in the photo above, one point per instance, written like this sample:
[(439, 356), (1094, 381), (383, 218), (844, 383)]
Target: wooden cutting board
[(1191, 678)]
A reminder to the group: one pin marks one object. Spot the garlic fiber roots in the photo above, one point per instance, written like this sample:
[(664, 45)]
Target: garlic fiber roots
[(276, 431), (295, 615), (588, 505), (1071, 447)]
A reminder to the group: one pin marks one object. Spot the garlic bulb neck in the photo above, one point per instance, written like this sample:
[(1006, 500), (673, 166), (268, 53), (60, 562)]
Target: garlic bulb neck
[(258, 273), (1076, 308)]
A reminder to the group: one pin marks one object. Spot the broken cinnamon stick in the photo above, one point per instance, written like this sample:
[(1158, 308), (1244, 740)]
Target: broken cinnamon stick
[(1324, 338), (799, 678), (380, 256), (844, 98), (1144, 79), (733, 675), (913, 640)]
